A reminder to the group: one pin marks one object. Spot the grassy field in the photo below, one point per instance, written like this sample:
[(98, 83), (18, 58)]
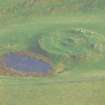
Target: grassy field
[(31, 91), (24, 22)]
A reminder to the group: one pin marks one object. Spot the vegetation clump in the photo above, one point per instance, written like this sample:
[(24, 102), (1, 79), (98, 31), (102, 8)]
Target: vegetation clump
[(80, 43)]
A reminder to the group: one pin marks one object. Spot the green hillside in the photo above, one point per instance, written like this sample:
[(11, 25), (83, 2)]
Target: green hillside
[(63, 30), (69, 34)]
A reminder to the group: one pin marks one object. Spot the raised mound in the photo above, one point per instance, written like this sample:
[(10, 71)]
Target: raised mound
[(73, 42)]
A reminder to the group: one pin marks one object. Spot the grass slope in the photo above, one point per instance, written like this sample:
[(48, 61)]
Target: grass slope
[(22, 22)]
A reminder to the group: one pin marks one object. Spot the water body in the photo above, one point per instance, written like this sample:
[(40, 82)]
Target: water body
[(26, 63)]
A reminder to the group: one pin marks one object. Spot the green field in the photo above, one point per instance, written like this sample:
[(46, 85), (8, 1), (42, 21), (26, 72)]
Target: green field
[(72, 34), (27, 91)]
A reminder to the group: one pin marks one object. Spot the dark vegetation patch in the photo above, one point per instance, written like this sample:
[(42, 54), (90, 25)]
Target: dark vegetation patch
[(47, 7)]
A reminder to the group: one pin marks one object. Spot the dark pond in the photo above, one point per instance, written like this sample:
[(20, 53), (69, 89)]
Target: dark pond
[(26, 64)]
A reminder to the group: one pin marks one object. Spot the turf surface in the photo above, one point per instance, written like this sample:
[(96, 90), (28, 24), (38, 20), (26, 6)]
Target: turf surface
[(24, 22)]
